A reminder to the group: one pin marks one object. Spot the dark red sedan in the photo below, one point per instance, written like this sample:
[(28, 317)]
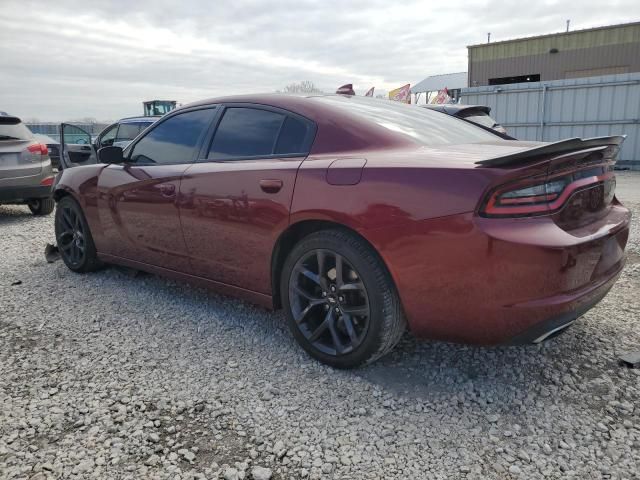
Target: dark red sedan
[(360, 217)]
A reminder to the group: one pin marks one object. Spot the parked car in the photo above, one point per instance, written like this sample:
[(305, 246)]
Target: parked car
[(478, 114), (26, 176), (53, 147), (358, 216), (122, 132), (81, 147)]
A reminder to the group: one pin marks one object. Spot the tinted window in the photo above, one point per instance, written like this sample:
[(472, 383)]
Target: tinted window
[(11, 128), (127, 131), (419, 124), (245, 132), (174, 140), (108, 137), (293, 137)]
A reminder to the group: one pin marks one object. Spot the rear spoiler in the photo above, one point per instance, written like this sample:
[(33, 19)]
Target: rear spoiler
[(555, 148)]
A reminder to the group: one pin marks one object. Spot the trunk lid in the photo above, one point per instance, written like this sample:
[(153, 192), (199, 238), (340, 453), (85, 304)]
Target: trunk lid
[(16, 160)]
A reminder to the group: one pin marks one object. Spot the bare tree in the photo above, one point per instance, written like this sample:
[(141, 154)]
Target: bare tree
[(306, 86)]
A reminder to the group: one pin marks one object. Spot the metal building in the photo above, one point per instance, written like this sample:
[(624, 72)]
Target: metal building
[(613, 49), (558, 109)]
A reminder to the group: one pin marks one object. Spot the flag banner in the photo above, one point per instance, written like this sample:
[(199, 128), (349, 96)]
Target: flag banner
[(346, 90), (370, 92), (442, 97), (402, 94)]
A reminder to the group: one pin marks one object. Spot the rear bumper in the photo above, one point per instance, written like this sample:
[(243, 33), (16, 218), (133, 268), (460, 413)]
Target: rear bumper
[(493, 281), (580, 304), (21, 194)]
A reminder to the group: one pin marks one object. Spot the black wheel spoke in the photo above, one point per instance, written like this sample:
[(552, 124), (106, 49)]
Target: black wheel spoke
[(351, 331), (320, 329), (357, 310), (339, 277), (67, 218), (314, 277), (351, 286), (335, 337), (301, 316), (320, 256), (306, 294)]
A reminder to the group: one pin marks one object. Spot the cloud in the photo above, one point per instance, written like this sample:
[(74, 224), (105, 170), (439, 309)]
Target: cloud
[(102, 59)]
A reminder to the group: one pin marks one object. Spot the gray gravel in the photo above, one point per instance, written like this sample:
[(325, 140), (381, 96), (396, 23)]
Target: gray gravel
[(113, 376)]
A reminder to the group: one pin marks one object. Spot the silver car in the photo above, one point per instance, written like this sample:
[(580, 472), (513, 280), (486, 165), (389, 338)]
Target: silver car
[(26, 175)]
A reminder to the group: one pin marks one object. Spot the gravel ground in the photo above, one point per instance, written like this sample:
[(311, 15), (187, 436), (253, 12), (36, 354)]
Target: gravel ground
[(109, 375)]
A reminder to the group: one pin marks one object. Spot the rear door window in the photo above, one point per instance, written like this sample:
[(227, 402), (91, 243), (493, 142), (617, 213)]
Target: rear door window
[(246, 132), (173, 140)]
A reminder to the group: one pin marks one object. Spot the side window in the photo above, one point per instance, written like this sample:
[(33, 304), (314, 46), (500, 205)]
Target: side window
[(294, 137), (245, 132), (173, 140), (127, 132), (109, 136)]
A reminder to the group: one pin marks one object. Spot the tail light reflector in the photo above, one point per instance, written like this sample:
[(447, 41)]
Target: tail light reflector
[(541, 197), (38, 148), (46, 182)]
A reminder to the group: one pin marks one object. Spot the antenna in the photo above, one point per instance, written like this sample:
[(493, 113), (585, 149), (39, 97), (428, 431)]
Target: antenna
[(568, 22), (489, 37)]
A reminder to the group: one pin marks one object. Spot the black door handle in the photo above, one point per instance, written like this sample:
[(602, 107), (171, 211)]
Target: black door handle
[(271, 185)]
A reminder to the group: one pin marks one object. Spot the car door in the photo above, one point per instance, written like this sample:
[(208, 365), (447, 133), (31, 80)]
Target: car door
[(236, 197), (138, 199), (76, 147), (106, 137)]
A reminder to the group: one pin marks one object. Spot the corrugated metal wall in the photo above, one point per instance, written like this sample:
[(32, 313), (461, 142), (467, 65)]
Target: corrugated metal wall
[(581, 107)]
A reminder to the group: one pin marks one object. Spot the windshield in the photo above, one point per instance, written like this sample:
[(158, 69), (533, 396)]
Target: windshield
[(420, 124), (11, 128)]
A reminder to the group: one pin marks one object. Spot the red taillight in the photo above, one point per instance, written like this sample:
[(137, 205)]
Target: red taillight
[(38, 148), (47, 182), (539, 197)]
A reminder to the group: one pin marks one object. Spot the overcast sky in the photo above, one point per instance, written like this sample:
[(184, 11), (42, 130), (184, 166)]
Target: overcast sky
[(70, 59)]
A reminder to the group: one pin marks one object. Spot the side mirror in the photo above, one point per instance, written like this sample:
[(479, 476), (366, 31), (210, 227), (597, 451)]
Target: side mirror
[(110, 155)]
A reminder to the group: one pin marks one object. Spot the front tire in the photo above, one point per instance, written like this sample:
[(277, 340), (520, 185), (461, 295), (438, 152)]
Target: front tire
[(73, 236), (41, 206), (340, 301)]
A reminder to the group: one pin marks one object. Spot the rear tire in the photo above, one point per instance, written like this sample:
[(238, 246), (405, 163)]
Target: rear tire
[(341, 304), (73, 237), (41, 206)]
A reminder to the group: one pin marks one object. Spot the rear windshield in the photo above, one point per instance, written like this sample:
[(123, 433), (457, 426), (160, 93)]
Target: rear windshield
[(11, 128), (479, 117), (420, 124)]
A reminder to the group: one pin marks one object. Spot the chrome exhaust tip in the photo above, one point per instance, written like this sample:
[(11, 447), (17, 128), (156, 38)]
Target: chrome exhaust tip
[(553, 332)]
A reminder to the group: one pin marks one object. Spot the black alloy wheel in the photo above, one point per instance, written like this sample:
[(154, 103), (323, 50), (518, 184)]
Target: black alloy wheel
[(71, 240), (329, 302), (73, 236), (341, 304)]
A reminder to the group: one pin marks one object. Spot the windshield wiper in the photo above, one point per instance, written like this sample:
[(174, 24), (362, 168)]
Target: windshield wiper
[(9, 137)]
